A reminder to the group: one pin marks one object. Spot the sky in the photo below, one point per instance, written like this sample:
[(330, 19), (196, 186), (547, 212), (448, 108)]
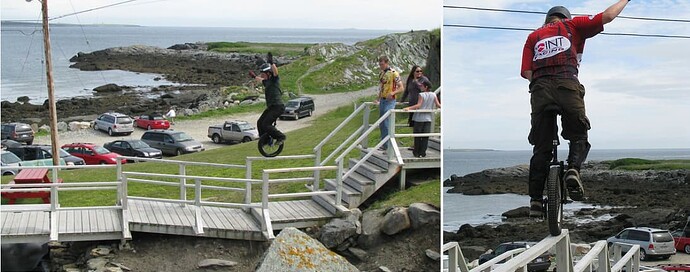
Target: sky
[(361, 14), (637, 89)]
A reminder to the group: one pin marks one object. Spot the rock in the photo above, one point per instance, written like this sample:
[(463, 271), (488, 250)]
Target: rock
[(580, 249), (62, 126), (396, 220), (23, 99), (337, 231), (385, 269), (433, 255), (121, 266), (188, 112), (108, 88), (214, 263), (247, 102), (360, 254), (97, 263), (100, 251), (22, 256), (75, 125), (45, 128), (517, 212), (422, 214), (70, 268), (371, 228), (293, 250)]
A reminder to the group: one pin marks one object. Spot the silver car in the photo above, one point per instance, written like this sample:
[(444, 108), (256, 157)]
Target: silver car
[(114, 123), (9, 161), (653, 242)]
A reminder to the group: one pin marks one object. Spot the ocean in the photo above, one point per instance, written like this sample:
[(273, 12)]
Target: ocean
[(23, 69), (460, 209)]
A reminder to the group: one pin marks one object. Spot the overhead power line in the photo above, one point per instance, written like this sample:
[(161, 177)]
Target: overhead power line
[(603, 33), (544, 13), (92, 9)]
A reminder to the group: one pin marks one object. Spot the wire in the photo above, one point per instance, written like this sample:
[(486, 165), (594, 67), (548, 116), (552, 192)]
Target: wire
[(21, 31), (602, 33), (544, 13), (91, 9)]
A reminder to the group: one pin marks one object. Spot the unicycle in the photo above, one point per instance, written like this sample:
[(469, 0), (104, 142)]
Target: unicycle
[(556, 193), (268, 146)]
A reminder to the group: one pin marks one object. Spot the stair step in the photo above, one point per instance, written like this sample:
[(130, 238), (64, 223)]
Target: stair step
[(435, 143), (359, 182), (367, 169), (326, 201), (350, 195), (378, 159)]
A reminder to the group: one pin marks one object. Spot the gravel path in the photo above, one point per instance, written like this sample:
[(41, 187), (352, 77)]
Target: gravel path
[(198, 128)]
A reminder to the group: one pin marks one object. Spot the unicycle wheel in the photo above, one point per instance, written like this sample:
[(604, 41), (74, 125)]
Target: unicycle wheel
[(267, 146), (554, 206)]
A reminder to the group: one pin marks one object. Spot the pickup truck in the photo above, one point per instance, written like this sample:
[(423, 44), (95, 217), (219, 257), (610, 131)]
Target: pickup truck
[(233, 131)]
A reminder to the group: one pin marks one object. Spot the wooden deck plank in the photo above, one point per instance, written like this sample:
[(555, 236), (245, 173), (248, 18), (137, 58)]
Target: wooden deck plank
[(14, 225), (233, 221), (277, 213), (78, 222), (37, 223), (221, 219), (100, 219), (6, 222), (135, 214), (165, 215), (245, 221), (170, 209), (318, 210), (110, 222), (85, 218), (298, 212), (140, 210), (23, 223), (305, 208), (291, 213), (153, 217), (11, 221), (181, 216), (211, 217), (117, 222), (94, 223), (31, 227)]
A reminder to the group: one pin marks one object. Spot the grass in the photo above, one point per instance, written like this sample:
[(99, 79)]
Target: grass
[(642, 164), (429, 192), (278, 49), (328, 79), (299, 142), (225, 112)]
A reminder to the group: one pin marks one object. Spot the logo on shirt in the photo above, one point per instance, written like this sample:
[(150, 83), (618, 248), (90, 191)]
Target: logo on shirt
[(550, 47)]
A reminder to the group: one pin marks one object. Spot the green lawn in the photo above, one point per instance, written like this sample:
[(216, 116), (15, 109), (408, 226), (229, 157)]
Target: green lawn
[(277, 49), (642, 164)]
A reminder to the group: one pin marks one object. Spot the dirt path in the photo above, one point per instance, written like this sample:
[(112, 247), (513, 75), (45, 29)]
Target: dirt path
[(198, 128)]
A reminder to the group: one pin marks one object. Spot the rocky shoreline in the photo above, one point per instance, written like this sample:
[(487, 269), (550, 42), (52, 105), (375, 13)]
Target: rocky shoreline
[(654, 198)]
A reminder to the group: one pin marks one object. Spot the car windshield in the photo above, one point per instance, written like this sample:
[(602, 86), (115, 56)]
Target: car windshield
[(138, 144), (9, 157), (292, 104), (245, 126), (124, 120), (101, 150), (181, 137), (662, 237), (157, 117)]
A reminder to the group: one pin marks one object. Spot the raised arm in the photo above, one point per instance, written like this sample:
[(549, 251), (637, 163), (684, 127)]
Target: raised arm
[(613, 11)]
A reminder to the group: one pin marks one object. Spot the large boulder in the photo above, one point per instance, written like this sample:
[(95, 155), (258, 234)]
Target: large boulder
[(76, 125), (293, 250), (396, 220), (337, 232), (371, 228), (422, 214), (108, 88), (62, 126)]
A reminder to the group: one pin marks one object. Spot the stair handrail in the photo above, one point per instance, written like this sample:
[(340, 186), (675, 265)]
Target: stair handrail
[(318, 148), (364, 135)]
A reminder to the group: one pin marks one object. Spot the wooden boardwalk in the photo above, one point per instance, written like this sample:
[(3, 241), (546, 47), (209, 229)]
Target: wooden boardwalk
[(296, 213)]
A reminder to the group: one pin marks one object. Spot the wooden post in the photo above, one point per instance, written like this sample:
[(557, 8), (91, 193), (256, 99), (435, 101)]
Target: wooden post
[(317, 173), (51, 87), (248, 185), (183, 183), (365, 125)]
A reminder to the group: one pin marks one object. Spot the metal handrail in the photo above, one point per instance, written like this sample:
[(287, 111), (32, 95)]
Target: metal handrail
[(340, 127)]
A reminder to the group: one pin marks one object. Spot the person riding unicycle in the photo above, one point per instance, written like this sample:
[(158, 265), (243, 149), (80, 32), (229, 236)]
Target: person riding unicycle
[(550, 61), (268, 76)]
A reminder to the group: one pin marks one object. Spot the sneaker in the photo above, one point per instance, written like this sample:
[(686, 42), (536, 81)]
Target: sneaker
[(410, 148), (574, 185), (535, 208)]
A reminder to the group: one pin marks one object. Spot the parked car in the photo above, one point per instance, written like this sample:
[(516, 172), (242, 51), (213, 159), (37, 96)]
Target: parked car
[(171, 142), (8, 162), (42, 152), (114, 123), (541, 263), (92, 154), (152, 121), (298, 107), (653, 242), (233, 131), (681, 239), (133, 148), (19, 132)]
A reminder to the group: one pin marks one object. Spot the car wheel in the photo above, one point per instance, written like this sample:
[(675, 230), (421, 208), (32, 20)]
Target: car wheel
[(246, 139), (29, 142), (95, 127), (216, 138), (101, 162), (687, 249), (110, 131), (178, 152), (148, 127), (643, 255)]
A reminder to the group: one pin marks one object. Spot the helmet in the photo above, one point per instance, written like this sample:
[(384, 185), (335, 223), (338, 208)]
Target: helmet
[(265, 67), (560, 11)]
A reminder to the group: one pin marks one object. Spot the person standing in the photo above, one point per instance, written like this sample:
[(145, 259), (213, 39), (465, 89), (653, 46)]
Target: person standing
[(550, 61), (389, 85), (412, 89), (422, 120), (170, 115), (268, 76)]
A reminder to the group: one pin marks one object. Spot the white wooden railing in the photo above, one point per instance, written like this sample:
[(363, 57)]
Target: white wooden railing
[(597, 259)]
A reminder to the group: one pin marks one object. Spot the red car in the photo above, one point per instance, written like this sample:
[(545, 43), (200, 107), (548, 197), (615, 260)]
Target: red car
[(682, 240), (92, 154), (151, 121)]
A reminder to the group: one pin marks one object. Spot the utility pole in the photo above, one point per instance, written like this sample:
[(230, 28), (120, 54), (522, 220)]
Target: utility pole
[(51, 92)]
